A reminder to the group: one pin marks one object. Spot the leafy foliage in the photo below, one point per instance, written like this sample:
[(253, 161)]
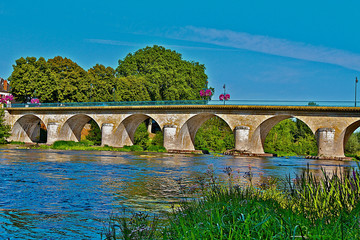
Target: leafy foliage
[(131, 88), (26, 77), (214, 135), (102, 80), (4, 129), (141, 137), (152, 73), (352, 146), (69, 79), (291, 138), (167, 75), (56, 80), (94, 133)]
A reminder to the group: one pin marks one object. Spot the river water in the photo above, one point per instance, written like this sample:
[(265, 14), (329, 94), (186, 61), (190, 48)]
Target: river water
[(49, 194)]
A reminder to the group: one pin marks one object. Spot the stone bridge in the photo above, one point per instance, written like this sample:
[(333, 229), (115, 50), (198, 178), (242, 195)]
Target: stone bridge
[(332, 126)]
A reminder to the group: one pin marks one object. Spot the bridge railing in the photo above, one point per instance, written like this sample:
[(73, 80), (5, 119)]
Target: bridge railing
[(191, 102)]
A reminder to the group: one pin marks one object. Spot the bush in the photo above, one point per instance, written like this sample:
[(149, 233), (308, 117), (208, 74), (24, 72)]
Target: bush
[(153, 148), (158, 140), (136, 148), (94, 133), (4, 129), (141, 136)]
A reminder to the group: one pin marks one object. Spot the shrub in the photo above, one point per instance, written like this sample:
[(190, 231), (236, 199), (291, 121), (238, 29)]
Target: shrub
[(136, 148), (153, 148)]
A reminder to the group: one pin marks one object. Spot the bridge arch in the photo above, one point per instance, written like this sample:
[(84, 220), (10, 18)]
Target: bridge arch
[(261, 132), (71, 129), (345, 135), (28, 129), (125, 131), (187, 132)]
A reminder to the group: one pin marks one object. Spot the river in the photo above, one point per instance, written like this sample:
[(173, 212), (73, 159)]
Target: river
[(49, 194)]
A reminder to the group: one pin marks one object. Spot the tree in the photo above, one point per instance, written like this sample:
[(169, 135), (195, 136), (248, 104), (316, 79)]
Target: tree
[(26, 76), (4, 129), (94, 133), (103, 83), (56, 80), (71, 84), (291, 137), (141, 136), (167, 75), (214, 135), (131, 88)]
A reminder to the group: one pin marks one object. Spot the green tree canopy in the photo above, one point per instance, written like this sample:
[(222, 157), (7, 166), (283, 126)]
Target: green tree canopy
[(153, 73), (103, 83), (70, 80), (56, 80), (167, 75), (131, 88), (25, 78), (291, 137)]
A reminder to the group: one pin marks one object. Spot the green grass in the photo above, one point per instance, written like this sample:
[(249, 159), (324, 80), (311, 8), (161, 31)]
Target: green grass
[(16, 143), (308, 207), (89, 146)]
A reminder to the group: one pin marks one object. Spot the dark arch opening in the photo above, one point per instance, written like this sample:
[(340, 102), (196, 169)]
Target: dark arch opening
[(77, 128), (290, 137), (148, 136), (29, 128), (139, 132)]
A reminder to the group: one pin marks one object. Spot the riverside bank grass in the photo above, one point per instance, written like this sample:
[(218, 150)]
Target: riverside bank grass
[(89, 146), (307, 207)]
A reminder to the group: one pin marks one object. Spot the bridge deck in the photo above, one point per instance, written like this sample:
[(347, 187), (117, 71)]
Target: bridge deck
[(181, 107), (202, 103)]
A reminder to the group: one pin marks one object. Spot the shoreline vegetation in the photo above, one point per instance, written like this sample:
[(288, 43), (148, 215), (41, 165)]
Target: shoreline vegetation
[(239, 207), (86, 145)]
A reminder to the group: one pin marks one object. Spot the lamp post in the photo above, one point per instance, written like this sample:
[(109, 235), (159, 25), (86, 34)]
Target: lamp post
[(356, 81)]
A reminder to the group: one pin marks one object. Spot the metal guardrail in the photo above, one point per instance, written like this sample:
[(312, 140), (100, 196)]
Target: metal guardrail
[(191, 102)]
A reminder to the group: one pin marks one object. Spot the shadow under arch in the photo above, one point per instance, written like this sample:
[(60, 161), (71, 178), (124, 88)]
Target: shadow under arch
[(28, 129), (125, 132), (71, 129), (261, 132), (188, 130)]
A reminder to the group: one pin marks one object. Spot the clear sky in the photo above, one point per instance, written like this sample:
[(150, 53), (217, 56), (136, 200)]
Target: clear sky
[(271, 50)]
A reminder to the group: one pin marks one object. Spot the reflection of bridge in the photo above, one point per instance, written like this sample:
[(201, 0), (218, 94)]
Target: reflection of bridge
[(332, 126)]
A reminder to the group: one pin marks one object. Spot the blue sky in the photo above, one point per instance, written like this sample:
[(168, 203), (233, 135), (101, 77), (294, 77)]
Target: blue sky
[(264, 50)]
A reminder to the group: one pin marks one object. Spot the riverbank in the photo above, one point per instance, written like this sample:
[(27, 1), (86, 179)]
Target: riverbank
[(306, 207), (86, 145)]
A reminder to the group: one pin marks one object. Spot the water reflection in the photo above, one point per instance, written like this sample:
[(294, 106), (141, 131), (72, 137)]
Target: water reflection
[(67, 194)]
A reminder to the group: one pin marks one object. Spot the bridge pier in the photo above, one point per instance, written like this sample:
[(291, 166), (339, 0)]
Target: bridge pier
[(170, 137), (326, 143), (53, 130), (241, 134), (107, 134)]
